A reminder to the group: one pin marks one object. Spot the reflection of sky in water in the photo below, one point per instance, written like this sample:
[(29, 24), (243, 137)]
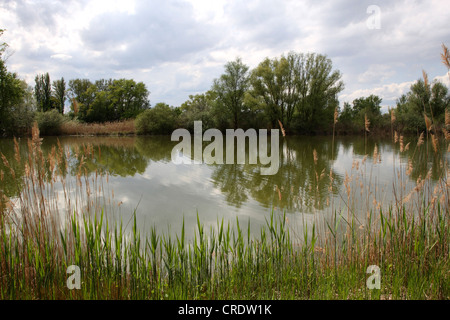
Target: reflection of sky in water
[(167, 192), (142, 177)]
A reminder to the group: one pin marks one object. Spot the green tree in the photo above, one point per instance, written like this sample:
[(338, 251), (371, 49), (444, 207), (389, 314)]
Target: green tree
[(160, 119), (230, 89), (422, 99), (43, 92), (300, 90), (22, 114), (319, 86), (79, 97), (128, 98), (12, 92), (108, 100), (199, 107), (268, 86), (59, 93)]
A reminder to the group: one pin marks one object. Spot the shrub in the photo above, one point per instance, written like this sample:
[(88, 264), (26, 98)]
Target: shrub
[(158, 120), (50, 122)]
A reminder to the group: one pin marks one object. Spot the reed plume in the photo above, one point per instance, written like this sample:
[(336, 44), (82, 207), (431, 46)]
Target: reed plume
[(75, 106), (427, 122), (421, 140), (366, 123), (425, 79), (282, 129), (336, 115), (393, 116), (445, 56), (434, 142)]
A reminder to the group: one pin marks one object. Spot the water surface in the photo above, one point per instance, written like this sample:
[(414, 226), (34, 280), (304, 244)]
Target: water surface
[(141, 178)]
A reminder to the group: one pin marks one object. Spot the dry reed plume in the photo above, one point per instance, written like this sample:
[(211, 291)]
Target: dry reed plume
[(366, 123), (282, 129)]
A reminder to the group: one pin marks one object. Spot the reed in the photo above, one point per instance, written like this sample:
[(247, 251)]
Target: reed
[(125, 127), (328, 259)]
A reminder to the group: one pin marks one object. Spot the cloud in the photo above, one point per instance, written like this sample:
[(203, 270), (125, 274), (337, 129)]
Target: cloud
[(178, 47), (61, 56), (157, 33)]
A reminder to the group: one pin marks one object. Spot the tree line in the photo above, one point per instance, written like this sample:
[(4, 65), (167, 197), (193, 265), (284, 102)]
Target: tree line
[(297, 92)]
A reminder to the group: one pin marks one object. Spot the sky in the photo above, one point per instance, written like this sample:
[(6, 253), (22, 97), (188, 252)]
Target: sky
[(178, 47)]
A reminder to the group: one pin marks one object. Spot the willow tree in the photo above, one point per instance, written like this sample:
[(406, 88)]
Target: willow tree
[(230, 89), (319, 86), (12, 92), (298, 89)]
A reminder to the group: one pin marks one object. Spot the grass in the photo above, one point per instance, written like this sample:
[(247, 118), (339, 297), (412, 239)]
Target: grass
[(326, 259), (125, 127)]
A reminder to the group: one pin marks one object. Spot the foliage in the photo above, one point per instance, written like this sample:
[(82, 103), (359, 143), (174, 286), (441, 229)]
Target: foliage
[(353, 117), (43, 92), (230, 89), (49, 122), (201, 107), (157, 120), (423, 99), (107, 100), (59, 94), (15, 107), (300, 90)]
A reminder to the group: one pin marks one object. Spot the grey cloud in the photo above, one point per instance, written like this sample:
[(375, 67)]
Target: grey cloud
[(261, 23), (37, 13), (155, 34)]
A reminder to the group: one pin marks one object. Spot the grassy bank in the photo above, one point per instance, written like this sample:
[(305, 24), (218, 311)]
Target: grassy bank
[(326, 259)]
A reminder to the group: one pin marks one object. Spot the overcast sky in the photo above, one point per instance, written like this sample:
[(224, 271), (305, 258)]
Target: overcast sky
[(178, 47)]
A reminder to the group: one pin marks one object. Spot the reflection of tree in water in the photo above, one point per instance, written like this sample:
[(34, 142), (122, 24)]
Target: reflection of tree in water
[(232, 181), (296, 186), (155, 148), (113, 156), (424, 158)]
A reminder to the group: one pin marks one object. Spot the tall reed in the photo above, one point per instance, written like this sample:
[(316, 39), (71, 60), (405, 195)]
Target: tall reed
[(39, 239)]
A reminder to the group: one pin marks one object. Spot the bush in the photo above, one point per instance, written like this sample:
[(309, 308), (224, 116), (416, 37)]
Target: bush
[(49, 122), (158, 120)]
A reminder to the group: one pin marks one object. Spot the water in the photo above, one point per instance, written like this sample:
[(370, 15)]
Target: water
[(142, 178)]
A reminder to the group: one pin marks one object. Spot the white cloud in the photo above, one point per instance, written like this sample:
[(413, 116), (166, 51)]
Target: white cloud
[(177, 48), (61, 56)]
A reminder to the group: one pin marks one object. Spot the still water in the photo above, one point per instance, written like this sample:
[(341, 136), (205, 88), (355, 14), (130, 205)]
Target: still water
[(139, 176)]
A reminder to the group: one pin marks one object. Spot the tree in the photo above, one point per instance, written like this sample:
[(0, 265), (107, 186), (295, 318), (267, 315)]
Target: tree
[(268, 86), (319, 86), (199, 107), (108, 100), (59, 89), (43, 92), (12, 91), (78, 95), (230, 89), (422, 99), (128, 98), (297, 87), (157, 120)]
